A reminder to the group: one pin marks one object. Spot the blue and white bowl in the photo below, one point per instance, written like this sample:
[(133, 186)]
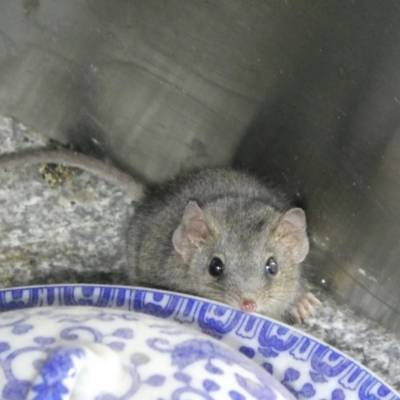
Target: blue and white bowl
[(142, 343)]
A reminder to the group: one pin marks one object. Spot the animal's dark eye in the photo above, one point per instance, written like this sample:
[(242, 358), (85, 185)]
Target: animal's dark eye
[(271, 266), (216, 267)]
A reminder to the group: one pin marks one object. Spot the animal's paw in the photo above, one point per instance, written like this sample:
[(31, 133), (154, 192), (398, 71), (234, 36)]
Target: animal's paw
[(303, 308)]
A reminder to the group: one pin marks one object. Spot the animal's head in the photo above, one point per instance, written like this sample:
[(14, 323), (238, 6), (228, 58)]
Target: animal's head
[(245, 254)]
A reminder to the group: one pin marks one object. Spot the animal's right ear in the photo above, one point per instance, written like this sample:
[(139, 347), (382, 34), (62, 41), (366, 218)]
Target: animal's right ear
[(191, 232)]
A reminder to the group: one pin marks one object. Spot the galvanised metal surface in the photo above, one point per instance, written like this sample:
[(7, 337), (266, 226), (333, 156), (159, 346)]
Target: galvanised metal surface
[(305, 93)]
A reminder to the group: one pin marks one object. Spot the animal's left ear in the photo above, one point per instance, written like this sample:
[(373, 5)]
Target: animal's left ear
[(291, 230)]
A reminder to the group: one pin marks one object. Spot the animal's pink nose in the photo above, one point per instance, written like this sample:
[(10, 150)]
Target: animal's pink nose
[(248, 306)]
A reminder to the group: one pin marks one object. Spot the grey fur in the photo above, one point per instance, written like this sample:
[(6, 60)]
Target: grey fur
[(243, 215)]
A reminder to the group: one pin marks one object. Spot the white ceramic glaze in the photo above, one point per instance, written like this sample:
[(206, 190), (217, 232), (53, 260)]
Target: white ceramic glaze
[(308, 368), (88, 353)]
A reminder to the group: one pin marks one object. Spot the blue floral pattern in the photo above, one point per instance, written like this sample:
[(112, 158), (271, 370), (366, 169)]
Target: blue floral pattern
[(53, 373), (86, 348), (308, 368)]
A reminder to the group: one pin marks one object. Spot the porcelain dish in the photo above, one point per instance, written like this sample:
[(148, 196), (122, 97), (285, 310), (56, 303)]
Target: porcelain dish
[(192, 332)]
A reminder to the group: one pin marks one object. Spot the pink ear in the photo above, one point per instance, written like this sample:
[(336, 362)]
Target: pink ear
[(291, 230), (191, 232)]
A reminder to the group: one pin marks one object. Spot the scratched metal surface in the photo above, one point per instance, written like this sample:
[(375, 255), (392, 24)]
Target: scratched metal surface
[(304, 93)]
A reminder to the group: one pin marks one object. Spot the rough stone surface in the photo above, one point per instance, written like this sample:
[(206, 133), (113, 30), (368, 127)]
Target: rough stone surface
[(69, 233)]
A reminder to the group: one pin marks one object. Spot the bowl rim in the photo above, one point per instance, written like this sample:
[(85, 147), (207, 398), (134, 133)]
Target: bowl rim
[(197, 299)]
